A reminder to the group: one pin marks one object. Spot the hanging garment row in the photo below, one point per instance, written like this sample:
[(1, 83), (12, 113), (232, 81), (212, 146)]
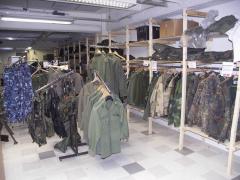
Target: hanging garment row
[(111, 71), (53, 107), (209, 104), (102, 118), (18, 92)]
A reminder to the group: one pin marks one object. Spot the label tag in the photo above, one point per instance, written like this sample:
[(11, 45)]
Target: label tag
[(192, 64), (146, 63), (46, 64), (154, 65), (227, 69)]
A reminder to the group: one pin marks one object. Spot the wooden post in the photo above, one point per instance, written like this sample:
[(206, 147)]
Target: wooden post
[(68, 57), (109, 42), (74, 57), (87, 50), (150, 52), (80, 56), (150, 48), (127, 50), (64, 58), (97, 38), (234, 127), (184, 81)]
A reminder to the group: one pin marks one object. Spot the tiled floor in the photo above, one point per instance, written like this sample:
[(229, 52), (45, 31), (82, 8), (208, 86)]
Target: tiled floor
[(143, 157)]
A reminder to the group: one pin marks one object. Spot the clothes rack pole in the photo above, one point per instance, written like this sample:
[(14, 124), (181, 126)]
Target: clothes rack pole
[(109, 42), (80, 56), (68, 55), (87, 50), (150, 52), (128, 68), (234, 127), (55, 81), (74, 57), (184, 81)]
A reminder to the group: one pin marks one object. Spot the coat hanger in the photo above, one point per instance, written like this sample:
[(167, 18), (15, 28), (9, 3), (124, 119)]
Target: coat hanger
[(98, 51), (39, 68), (121, 57)]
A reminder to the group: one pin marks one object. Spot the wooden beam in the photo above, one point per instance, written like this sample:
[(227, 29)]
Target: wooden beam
[(194, 13)]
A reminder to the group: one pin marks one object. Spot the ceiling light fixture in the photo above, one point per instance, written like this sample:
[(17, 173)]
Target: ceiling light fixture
[(117, 4), (10, 38), (6, 48), (35, 20)]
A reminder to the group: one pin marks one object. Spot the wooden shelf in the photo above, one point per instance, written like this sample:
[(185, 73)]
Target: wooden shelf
[(193, 13), (167, 40)]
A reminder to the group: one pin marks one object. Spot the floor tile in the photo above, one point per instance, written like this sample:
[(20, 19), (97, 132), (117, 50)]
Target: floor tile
[(109, 164), (213, 176), (46, 155), (31, 166), (185, 161), (146, 133), (207, 153), (163, 149), (75, 174), (185, 151), (236, 178), (133, 168), (159, 171)]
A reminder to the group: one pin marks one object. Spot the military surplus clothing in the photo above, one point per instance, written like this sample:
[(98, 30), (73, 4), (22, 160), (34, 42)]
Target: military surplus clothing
[(138, 89), (18, 92), (109, 68), (107, 126)]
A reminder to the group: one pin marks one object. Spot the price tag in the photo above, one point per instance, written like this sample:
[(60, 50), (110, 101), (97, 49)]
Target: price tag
[(154, 65), (146, 63), (227, 69), (46, 64), (192, 64)]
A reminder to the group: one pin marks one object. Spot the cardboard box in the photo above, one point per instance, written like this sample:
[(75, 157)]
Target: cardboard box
[(174, 27)]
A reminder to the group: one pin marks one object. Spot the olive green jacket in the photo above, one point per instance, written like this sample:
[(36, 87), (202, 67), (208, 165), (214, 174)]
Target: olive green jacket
[(107, 126)]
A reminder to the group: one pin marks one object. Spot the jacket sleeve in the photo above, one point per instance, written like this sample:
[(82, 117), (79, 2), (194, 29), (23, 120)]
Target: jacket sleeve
[(124, 123), (94, 131), (80, 106), (121, 78)]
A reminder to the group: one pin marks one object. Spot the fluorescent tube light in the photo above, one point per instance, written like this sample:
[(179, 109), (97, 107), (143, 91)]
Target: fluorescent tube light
[(118, 4), (34, 20), (28, 48), (6, 48)]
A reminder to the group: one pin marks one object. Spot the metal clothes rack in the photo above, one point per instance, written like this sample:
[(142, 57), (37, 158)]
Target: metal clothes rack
[(9, 130), (54, 82), (73, 133), (99, 77)]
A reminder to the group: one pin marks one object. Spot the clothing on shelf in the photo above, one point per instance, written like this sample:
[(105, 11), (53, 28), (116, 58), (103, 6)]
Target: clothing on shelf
[(102, 118), (138, 89), (110, 69), (167, 53), (18, 92), (197, 37)]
